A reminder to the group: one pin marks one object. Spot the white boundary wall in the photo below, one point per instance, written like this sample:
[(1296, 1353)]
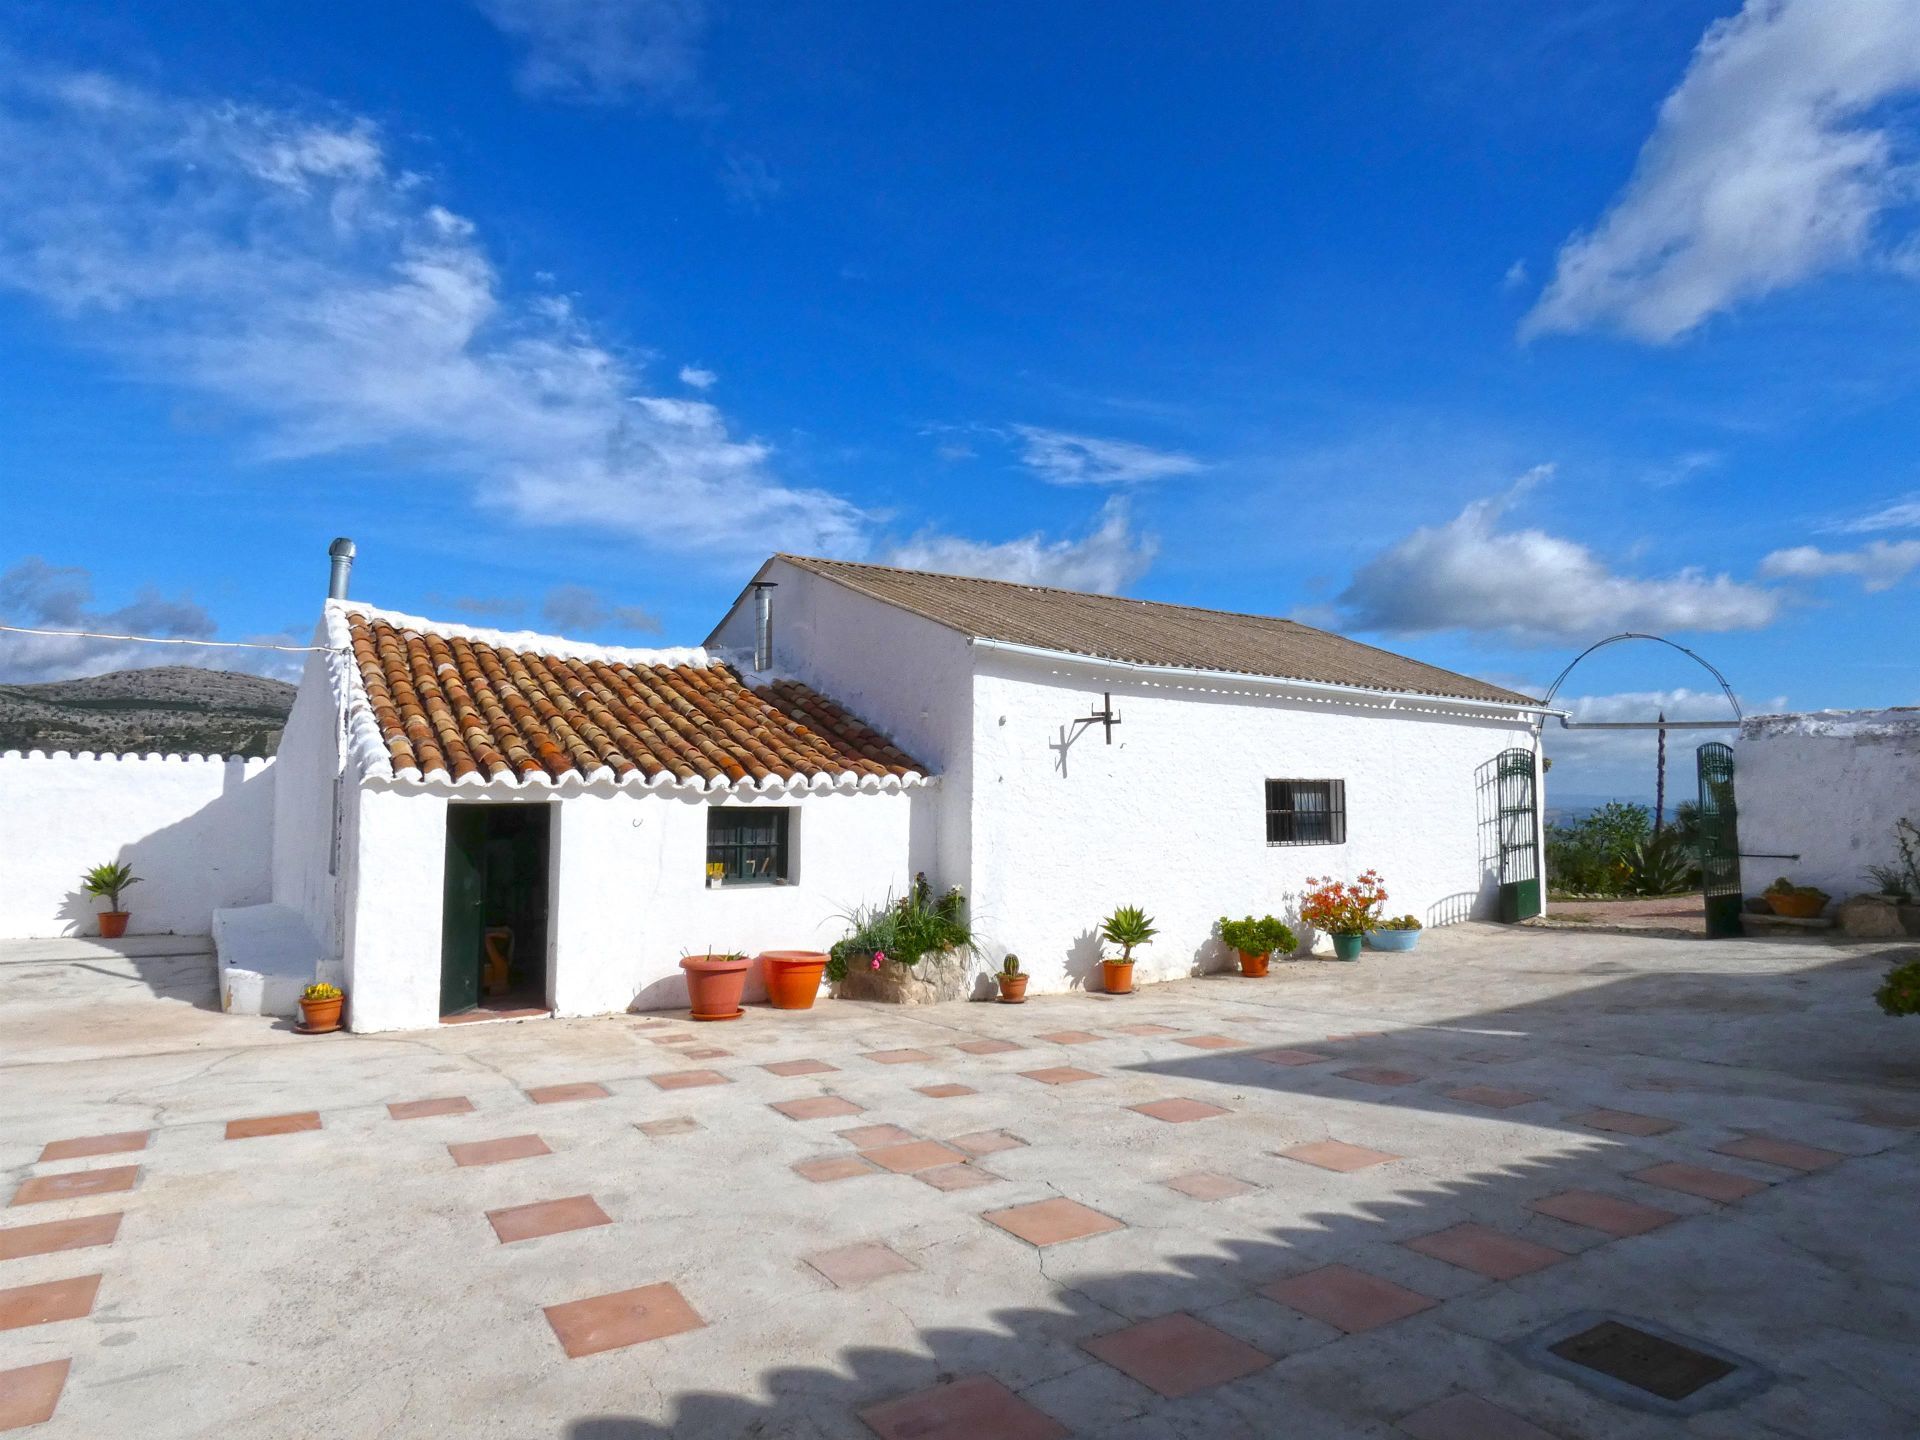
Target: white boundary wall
[(197, 830)]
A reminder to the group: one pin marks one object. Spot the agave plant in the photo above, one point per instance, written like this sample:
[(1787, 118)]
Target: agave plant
[(109, 880), (1656, 865), (1127, 927)]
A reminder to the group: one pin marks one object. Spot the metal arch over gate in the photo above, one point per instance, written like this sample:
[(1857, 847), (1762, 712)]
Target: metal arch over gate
[(1719, 839), (1513, 817)]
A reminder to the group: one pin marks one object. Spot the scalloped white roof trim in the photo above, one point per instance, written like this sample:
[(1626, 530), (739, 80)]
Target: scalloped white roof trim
[(602, 781), (135, 757)]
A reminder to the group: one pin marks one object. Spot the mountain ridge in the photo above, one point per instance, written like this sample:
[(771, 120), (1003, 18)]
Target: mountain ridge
[(181, 709)]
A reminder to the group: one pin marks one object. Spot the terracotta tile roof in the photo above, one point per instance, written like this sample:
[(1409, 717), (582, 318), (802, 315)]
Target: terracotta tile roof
[(454, 705), (1147, 632)]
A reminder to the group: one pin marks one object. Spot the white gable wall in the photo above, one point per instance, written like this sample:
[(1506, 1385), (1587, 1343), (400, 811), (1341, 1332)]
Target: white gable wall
[(307, 764)]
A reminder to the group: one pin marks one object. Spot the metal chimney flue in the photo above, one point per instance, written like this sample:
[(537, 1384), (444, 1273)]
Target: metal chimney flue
[(763, 624), (341, 552)]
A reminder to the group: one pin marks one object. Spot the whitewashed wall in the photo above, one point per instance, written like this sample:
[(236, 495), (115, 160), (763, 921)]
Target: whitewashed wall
[(197, 829), (307, 763), (1828, 786)]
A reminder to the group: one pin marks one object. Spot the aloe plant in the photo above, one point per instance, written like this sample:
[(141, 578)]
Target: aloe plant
[(1127, 927), (109, 880)]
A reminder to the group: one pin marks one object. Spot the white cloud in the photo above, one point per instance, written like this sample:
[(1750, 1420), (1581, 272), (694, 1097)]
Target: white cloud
[(1767, 166), (1516, 277), (1532, 587), (697, 378), (1063, 459), (1105, 560), (600, 51), (1624, 762), (1902, 514), (577, 608), (1878, 565)]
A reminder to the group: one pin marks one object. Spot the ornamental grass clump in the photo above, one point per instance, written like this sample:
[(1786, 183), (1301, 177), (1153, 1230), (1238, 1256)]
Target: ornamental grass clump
[(901, 931)]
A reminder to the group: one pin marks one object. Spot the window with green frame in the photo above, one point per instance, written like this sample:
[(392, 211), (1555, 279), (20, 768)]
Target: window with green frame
[(748, 845)]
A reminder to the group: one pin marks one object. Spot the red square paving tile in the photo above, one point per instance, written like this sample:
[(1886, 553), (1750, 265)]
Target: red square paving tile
[(1207, 1185), (898, 1057), (1348, 1299), (1290, 1057), (1146, 1029), (688, 1079), (30, 1395), (706, 1052), (559, 1094), (945, 1092), (1052, 1222), (547, 1217), (1893, 1117), (75, 1185), (1059, 1075), (987, 1142), (1606, 1213), (259, 1125), (799, 1067), (1179, 1110), (816, 1107), (832, 1167), (867, 1137), (988, 1047), (1379, 1075), (88, 1145), (1468, 1417), (1624, 1122), (493, 1152), (17, 1241), (1486, 1251), (1336, 1155), (1211, 1042), (45, 1303), (669, 1125), (957, 1177), (1176, 1355), (1068, 1037), (1699, 1180), (422, 1109), (977, 1407), (1491, 1096), (855, 1265), (912, 1156), (1787, 1154), (626, 1317)]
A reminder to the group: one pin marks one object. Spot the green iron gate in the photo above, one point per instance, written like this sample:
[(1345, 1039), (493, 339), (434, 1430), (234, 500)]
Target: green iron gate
[(1517, 822), (1719, 840)]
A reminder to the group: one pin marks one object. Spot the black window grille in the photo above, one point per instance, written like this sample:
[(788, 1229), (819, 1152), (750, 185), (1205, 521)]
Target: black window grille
[(1306, 812), (747, 847)]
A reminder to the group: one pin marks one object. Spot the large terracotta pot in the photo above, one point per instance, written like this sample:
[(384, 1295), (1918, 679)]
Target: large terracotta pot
[(321, 1016), (1013, 988), (113, 923), (1253, 966), (793, 977), (1796, 905), (715, 984), (1117, 976)]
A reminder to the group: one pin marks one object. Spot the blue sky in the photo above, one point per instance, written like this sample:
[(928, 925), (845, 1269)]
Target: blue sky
[(1478, 330)]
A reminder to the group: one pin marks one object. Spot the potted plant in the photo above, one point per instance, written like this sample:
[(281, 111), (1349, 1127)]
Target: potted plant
[(1256, 940), (1013, 982), (879, 958), (320, 1008), (106, 882), (1795, 902), (1126, 927), (715, 983), (1345, 912), (1402, 932), (793, 977)]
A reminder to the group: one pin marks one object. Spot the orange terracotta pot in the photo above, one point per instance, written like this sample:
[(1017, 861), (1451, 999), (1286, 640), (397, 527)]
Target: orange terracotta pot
[(1793, 906), (1013, 988), (321, 1016), (793, 977), (1253, 966), (715, 984), (113, 924), (1117, 976)]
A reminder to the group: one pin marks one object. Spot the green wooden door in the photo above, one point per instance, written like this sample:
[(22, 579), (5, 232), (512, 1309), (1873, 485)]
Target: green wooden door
[(462, 913)]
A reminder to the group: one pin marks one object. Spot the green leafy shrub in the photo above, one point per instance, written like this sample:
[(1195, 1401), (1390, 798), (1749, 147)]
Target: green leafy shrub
[(1588, 857), (1257, 937), (901, 931), (1899, 993)]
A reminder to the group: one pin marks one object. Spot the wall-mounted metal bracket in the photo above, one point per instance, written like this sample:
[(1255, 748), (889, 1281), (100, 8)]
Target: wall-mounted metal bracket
[(1105, 716)]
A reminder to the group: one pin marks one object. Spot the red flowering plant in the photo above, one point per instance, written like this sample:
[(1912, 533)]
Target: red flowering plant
[(1339, 908)]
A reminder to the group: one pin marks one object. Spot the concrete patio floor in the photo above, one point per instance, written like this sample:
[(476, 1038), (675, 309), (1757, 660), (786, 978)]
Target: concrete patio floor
[(1101, 1216)]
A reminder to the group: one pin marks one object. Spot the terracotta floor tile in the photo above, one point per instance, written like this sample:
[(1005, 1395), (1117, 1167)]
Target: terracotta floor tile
[(799, 1067), (1290, 1057), (1179, 1110), (30, 1395), (422, 1109), (89, 1145), (688, 1079), (45, 1303), (1606, 1213), (1176, 1355), (897, 1057), (1146, 1029), (1624, 1122), (945, 1092), (1486, 1251), (679, 1038), (559, 1094), (988, 1047), (1468, 1417), (832, 1167), (547, 1217), (912, 1156), (1491, 1096), (1207, 1185), (956, 1177), (1336, 1155), (1699, 1180), (816, 1107), (868, 1137), (76, 1184), (1211, 1042), (259, 1125), (1348, 1299), (1788, 1154), (669, 1125), (977, 1407), (18, 1241), (626, 1317), (987, 1142), (1052, 1222), (1379, 1075), (1893, 1117), (1068, 1037), (854, 1265), (1059, 1075), (493, 1152), (705, 1052)]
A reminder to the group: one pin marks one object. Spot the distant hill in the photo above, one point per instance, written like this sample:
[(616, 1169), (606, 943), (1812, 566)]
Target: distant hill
[(172, 709)]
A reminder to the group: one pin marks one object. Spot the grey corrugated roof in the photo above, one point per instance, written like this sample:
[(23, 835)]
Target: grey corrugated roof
[(1147, 632)]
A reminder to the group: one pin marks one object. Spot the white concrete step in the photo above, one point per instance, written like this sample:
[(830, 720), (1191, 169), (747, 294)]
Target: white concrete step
[(267, 956)]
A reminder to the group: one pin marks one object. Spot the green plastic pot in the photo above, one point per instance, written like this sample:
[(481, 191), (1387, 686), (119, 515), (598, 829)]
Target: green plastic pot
[(1347, 947)]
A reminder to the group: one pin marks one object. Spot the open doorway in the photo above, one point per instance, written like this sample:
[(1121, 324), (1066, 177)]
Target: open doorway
[(493, 951)]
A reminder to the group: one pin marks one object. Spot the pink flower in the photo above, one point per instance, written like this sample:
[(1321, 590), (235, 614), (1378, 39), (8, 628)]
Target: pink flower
[(879, 957)]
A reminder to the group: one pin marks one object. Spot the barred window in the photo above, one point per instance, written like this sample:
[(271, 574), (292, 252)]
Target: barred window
[(747, 846), (1306, 812)]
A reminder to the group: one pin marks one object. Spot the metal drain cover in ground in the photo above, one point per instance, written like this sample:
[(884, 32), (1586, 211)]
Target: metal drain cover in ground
[(1643, 1360), (1638, 1363)]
